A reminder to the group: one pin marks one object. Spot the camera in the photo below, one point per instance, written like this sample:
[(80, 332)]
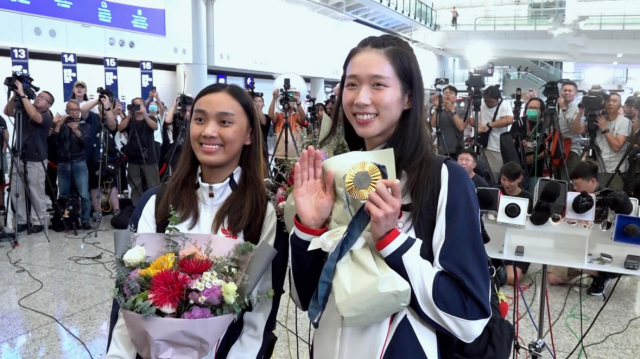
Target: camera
[(594, 100), (512, 211), (441, 81), (286, 96), (105, 93), (27, 84), (184, 101), (133, 107), (551, 90), (251, 87), (476, 81), (485, 70)]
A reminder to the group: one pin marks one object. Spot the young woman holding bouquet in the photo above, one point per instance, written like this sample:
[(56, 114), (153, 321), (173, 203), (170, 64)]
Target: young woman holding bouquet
[(382, 102), (218, 188)]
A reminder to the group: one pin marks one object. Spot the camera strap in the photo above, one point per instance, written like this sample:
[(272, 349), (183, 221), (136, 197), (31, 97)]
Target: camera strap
[(495, 114)]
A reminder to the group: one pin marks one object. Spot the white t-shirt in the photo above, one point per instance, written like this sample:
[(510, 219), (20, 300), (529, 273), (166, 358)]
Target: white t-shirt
[(121, 137), (157, 134), (486, 116), (620, 125)]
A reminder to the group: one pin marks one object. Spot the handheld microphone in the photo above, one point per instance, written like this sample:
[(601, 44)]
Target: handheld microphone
[(542, 210), (582, 203)]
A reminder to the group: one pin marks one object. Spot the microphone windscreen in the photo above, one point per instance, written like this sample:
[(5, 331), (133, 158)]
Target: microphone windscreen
[(550, 192), (619, 202), (485, 199), (540, 217), (582, 203), (631, 230)]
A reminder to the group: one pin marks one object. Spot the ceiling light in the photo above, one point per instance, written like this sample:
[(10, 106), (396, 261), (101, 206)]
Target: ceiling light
[(620, 55), (615, 62)]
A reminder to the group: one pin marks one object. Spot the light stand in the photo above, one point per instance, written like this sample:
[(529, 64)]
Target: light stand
[(97, 214)]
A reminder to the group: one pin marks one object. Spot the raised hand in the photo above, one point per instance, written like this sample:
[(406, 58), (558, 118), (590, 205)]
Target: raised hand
[(384, 207), (314, 197)]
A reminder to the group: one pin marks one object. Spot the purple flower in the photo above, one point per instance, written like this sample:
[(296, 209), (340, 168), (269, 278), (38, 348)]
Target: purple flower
[(193, 296), (197, 313), (213, 295), (131, 285)]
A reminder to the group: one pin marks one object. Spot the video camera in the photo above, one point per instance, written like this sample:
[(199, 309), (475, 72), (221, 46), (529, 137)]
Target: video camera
[(184, 101), (485, 70), (475, 81), (594, 100), (312, 110), (551, 90), (286, 95), (102, 92), (27, 84), (251, 87)]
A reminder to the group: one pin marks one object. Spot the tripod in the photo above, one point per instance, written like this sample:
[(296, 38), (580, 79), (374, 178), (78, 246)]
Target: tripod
[(592, 151), (439, 133), (143, 154), (554, 125), (102, 154), (179, 141), (477, 148), (287, 131)]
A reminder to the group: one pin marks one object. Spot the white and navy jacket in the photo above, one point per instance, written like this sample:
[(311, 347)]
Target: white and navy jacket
[(248, 337), (450, 297)]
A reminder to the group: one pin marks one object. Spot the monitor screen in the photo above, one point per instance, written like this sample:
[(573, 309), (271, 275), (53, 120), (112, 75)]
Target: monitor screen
[(146, 16)]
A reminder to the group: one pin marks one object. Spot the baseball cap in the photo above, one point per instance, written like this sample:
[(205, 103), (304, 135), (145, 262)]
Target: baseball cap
[(80, 83)]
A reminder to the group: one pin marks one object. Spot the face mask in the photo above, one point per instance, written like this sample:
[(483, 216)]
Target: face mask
[(532, 115), (153, 108)]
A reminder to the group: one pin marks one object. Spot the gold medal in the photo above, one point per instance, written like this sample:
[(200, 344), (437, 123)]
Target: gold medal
[(362, 180)]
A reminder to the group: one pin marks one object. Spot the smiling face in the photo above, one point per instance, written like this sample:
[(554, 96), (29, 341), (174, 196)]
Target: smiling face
[(569, 93), (373, 98), (219, 130)]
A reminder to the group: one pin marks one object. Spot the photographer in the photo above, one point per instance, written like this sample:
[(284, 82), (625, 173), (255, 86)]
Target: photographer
[(566, 116), (158, 110), (71, 134), (91, 112), (296, 121), (449, 123), (630, 110), (265, 122), (36, 123), (176, 121), (584, 177), (140, 150), (611, 138), (495, 117)]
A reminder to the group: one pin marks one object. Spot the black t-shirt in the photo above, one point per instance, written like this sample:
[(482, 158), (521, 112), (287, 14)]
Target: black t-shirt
[(523, 194), (34, 138), (479, 181), (452, 136), (140, 138)]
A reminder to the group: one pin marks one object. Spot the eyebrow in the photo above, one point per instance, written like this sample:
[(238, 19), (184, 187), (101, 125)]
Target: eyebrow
[(217, 114), (380, 77)]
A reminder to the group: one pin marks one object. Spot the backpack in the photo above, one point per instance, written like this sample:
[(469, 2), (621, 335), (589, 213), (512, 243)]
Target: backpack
[(495, 340), (121, 221)]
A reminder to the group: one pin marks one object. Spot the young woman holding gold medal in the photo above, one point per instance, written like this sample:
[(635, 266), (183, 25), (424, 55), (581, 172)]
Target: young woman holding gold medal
[(445, 267)]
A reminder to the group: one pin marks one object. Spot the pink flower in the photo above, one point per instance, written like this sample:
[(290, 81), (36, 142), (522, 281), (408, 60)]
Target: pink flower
[(197, 313)]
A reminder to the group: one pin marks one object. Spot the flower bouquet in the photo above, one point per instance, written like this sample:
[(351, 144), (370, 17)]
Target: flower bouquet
[(179, 294)]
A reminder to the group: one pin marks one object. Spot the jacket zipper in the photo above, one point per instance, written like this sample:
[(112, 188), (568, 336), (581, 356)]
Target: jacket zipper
[(386, 339)]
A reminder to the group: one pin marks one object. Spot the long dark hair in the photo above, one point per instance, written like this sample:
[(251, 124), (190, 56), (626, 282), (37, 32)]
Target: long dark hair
[(246, 207), (411, 141)]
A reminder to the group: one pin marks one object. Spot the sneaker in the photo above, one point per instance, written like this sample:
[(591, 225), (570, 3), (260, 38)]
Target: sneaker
[(599, 285), (116, 212), (36, 229), (86, 225)]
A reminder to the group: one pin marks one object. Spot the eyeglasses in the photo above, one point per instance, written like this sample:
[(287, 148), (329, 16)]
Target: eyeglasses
[(73, 109), (43, 98)]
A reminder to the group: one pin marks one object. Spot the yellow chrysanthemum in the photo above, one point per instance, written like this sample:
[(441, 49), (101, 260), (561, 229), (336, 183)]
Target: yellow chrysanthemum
[(163, 262)]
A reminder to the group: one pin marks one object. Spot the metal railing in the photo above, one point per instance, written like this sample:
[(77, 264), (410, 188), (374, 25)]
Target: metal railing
[(413, 9), (609, 22), (511, 21), (545, 66), (514, 75)]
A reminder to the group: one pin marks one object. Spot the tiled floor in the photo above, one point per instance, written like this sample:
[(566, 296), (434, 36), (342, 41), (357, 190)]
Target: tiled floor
[(79, 296)]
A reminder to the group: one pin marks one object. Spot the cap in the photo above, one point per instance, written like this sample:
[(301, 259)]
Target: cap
[(80, 83)]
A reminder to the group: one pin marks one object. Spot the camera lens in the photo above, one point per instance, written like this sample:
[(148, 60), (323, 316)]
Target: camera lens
[(512, 210)]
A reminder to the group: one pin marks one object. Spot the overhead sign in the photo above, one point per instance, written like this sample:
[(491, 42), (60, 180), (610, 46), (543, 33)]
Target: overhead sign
[(111, 74), (69, 73), (146, 79), (20, 60)]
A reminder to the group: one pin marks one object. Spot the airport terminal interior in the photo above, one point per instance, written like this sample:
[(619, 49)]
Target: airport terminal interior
[(536, 101)]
